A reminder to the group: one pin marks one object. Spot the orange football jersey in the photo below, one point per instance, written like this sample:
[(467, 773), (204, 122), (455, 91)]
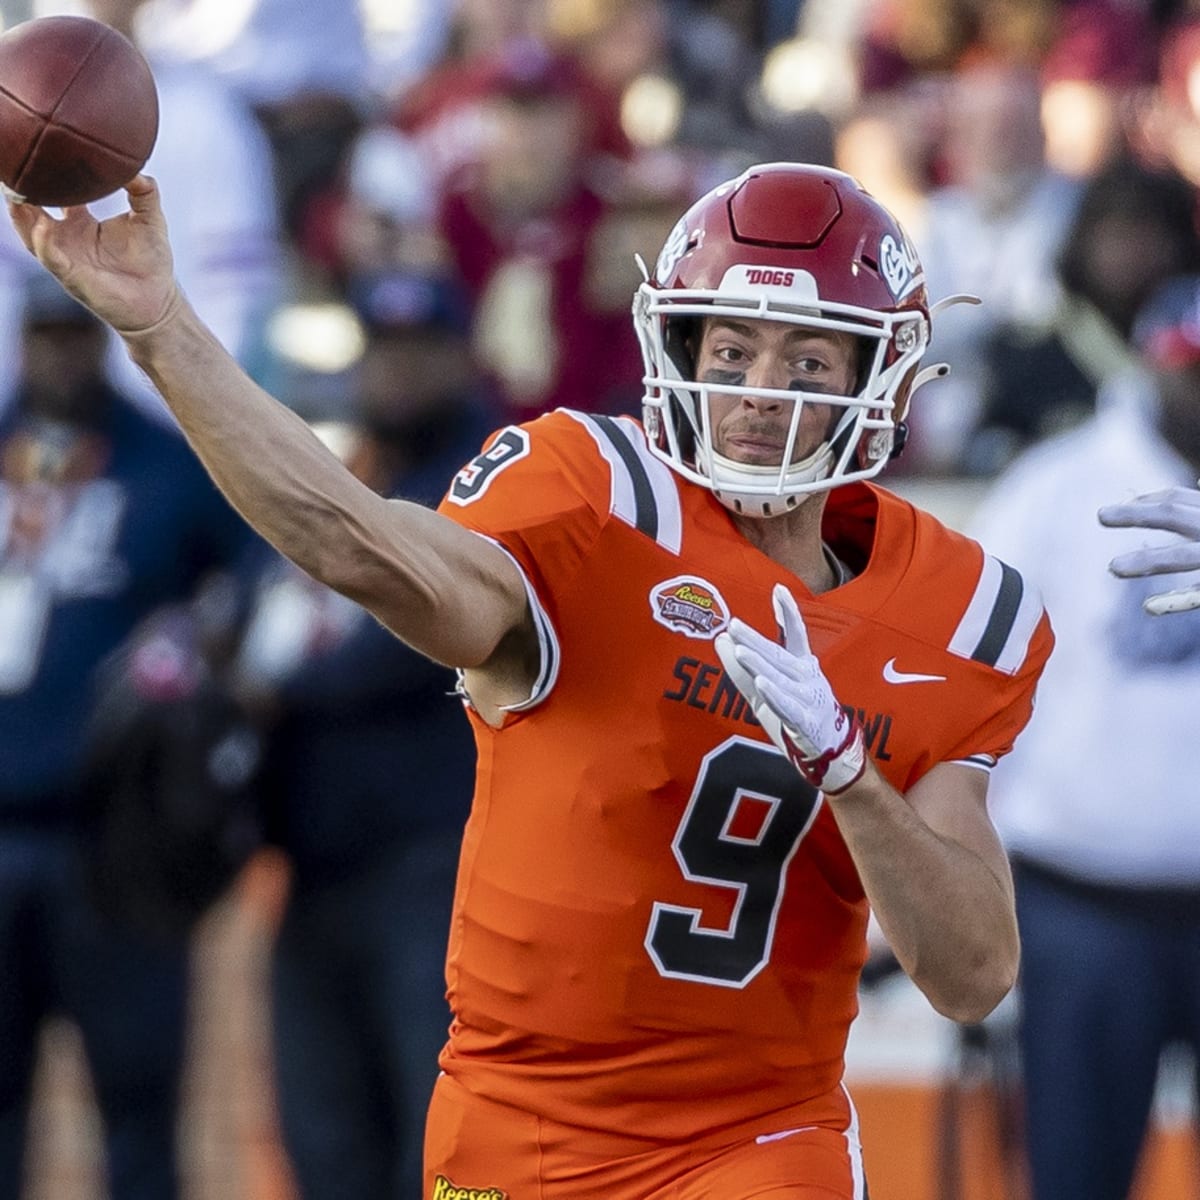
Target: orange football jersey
[(658, 928)]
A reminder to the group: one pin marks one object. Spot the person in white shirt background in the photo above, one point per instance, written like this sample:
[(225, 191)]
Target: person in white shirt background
[(993, 232), (1097, 805)]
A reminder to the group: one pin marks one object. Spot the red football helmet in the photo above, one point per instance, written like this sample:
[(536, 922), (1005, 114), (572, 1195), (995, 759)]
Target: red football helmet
[(799, 244)]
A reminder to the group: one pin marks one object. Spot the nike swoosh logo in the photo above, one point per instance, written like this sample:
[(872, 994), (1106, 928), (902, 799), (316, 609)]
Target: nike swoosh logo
[(764, 1138), (891, 675)]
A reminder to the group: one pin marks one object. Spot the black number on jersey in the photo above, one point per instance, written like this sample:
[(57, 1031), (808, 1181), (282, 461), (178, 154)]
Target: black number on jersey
[(753, 866), (473, 480)]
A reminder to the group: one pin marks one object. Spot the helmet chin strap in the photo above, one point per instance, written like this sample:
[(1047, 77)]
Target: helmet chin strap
[(760, 508), (754, 504)]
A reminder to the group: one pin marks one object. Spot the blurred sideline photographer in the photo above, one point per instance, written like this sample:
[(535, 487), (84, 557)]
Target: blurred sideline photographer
[(105, 517), (1098, 804), (367, 783)]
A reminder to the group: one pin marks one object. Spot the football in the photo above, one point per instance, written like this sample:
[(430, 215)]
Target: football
[(78, 110)]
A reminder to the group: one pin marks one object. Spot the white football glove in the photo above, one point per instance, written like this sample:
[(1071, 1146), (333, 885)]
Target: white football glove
[(1176, 510), (792, 699)]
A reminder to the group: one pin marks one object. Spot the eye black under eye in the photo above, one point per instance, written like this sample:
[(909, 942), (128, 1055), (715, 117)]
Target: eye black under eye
[(716, 375)]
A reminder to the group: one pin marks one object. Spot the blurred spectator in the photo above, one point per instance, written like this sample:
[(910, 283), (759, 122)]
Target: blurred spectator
[(715, 65), (380, 216), (1134, 228), (904, 39), (449, 112), (743, 101), (442, 110), (302, 68), (614, 41), (269, 50), (214, 167), (369, 777), (885, 144), (1168, 126), (404, 43), (637, 221), (170, 771), (992, 231), (104, 517), (482, 27), (779, 20), (1097, 804), (520, 224), (1102, 55)]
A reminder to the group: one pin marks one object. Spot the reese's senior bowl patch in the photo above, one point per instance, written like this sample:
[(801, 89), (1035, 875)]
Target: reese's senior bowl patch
[(690, 606), (443, 1189)]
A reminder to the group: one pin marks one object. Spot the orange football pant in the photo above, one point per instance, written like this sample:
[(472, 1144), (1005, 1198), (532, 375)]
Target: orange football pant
[(476, 1149)]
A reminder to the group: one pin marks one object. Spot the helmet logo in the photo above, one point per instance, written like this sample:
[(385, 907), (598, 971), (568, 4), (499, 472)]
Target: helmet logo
[(898, 262), (774, 278), (785, 284), (674, 248)]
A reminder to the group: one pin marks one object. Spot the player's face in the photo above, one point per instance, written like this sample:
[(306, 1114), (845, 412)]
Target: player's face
[(771, 354)]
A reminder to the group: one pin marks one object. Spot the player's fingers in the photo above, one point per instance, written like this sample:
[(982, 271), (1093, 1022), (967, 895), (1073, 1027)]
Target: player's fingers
[(24, 219), (771, 699), (752, 662), (791, 623), (746, 635), (1177, 510), (39, 231), (1157, 560), (793, 712), (727, 653), (1176, 493), (781, 660), (142, 191), (76, 215), (1183, 600)]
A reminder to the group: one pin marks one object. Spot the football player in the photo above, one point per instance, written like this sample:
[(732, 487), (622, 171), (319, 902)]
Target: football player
[(728, 696)]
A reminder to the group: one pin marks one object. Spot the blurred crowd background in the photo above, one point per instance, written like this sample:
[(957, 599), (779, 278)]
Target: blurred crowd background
[(521, 152), (413, 221)]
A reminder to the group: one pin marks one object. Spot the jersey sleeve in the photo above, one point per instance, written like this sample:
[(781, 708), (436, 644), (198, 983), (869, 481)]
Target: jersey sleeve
[(989, 622), (540, 492), (1005, 633), (997, 734)]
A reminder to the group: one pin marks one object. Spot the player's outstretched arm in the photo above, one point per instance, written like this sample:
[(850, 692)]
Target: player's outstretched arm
[(1174, 510), (930, 861), (446, 592)]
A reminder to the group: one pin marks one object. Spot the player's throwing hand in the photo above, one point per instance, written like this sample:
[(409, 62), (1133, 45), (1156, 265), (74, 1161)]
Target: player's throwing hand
[(121, 268), (1175, 510), (792, 699)]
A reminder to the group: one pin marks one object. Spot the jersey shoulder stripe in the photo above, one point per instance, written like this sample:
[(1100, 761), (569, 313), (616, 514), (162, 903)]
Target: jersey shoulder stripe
[(645, 491), (1000, 620)]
